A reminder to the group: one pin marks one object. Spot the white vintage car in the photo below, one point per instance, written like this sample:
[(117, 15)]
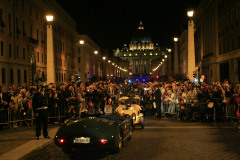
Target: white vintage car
[(131, 108)]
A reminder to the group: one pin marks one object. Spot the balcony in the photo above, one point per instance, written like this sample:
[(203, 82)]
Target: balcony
[(32, 42)]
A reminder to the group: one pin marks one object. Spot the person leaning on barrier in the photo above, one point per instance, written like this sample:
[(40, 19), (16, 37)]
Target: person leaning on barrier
[(40, 109)]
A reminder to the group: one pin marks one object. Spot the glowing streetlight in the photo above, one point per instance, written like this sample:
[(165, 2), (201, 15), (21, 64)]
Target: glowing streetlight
[(165, 56), (81, 41), (113, 64), (175, 39), (169, 50), (109, 61), (130, 73), (190, 13), (49, 18), (163, 60), (104, 58), (95, 52)]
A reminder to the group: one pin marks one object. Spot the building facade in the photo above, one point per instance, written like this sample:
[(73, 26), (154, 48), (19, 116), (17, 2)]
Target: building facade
[(140, 53), (23, 43), (217, 39), (89, 61)]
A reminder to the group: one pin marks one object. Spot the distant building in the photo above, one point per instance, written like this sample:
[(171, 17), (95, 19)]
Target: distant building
[(140, 53)]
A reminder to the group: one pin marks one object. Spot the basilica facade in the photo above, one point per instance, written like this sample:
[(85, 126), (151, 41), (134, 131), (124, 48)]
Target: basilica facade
[(140, 53)]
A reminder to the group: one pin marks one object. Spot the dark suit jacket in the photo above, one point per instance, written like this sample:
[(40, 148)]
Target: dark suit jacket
[(158, 95)]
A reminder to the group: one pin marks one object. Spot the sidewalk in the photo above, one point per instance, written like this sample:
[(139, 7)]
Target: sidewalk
[(26, 144)]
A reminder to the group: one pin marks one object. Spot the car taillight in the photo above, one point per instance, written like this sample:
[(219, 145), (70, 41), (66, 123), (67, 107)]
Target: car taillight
[(103, 141), (61, 141)]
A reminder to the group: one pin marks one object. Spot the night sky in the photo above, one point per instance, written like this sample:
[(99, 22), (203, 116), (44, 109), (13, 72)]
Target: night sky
[(112, 23)]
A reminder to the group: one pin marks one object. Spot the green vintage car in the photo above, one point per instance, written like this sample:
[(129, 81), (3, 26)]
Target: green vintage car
[(103, 132)]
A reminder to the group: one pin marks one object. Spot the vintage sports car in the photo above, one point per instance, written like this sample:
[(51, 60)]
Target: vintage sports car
[(104, 132), (131, 109)]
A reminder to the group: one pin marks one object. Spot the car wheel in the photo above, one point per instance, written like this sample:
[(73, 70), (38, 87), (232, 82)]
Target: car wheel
[(118, 143), (67, 150)]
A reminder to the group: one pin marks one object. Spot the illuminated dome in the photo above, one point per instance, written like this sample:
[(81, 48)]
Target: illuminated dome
[(141, 36)]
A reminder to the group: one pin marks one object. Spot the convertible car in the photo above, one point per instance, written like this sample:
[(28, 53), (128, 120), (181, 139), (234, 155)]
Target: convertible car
[(131, 108), (104, 132)]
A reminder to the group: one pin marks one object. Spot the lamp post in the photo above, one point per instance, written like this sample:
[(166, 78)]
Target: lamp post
[(191, 48), (51, 72), (176, 65), (169, 63), (82, 64)]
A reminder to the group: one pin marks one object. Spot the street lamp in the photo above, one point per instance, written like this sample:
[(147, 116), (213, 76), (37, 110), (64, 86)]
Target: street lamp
[(109, 61), (176, 64), (81, 41), (165, 56), (51, 72), (190, 13), (169, 50), (113, 64), (104, 58), (95, 52), (49, 18)]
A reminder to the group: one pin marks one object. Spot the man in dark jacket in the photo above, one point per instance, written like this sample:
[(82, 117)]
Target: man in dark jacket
[(40, 109), (158, 96)]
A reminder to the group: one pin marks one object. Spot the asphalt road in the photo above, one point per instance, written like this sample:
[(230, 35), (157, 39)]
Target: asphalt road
[(166, 139)]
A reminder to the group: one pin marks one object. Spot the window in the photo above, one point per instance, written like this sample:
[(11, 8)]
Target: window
[(24, 53), (23, 27), (36, 15), (22, 4), (37, 34), (10, 23), (57, 77), (233, 45), (17, 28), (30, 10), (25, 76), (31, 33), (38, 56), (3, 75), (10, 50), (1, 19), (2, 48), (79, 59), (19, 75), (239, 42), (16, 3), (42, 57), (17, 50), (11, 76)]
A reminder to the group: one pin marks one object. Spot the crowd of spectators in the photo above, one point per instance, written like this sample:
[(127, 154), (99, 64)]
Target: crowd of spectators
[(188, 101)]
